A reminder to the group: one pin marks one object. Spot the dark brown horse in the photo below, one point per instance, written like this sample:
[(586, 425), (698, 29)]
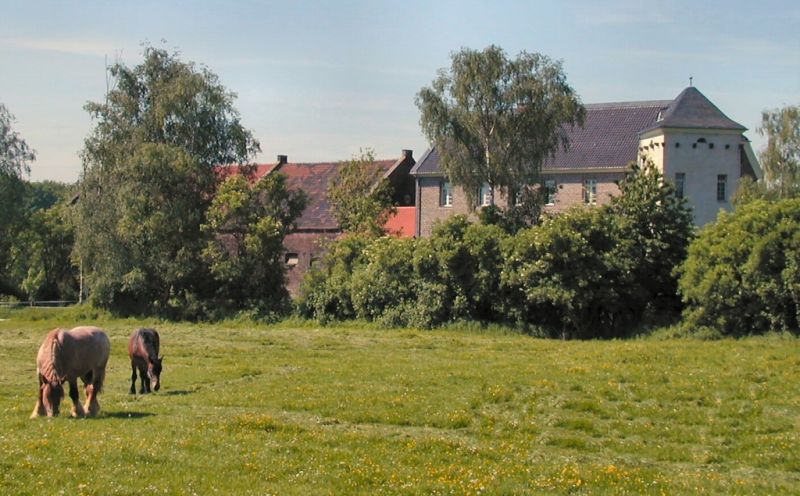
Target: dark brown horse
[(143, 350), (65, 356)]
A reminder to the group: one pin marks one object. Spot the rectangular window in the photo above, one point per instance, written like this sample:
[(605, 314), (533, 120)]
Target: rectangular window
[(550, 191), (445, 194), (486, 196), (291, 259), (722, 181), (590, 191), (680, 182)]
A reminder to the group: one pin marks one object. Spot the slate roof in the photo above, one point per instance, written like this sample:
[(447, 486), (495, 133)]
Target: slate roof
[(609, 137), (313, 178), (691, 109)]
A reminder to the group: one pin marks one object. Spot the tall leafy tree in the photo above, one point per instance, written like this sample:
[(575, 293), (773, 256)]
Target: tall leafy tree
[(15, 154), (40, 258), (149, 177), (360, 198), (15, 158), (495, 120), (246, 225), (781, 157), (655, 228)]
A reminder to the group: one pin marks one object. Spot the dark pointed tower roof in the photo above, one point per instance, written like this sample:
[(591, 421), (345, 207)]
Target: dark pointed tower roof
[(691, 109)]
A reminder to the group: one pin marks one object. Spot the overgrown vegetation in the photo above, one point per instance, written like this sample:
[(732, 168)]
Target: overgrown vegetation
[(742, 275), (147, 236), (247, 409), (585, 273)]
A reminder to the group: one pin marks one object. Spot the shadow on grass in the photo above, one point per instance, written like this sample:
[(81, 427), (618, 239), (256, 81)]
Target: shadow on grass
[(178, 392), (128, 415)]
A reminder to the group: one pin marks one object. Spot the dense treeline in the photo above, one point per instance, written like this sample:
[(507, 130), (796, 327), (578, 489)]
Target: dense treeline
[(37, 242)]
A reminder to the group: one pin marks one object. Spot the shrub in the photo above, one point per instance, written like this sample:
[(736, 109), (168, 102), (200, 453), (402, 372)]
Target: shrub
[(564, 275), (325, 293), (742, 274), (384, 281)]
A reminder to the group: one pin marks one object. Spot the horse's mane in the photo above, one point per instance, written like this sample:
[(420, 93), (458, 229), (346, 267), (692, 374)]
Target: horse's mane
[(53, 367)]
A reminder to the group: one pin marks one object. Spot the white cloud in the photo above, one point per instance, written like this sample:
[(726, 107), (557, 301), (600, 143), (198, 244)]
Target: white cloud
[(603, 14), (93, 48)]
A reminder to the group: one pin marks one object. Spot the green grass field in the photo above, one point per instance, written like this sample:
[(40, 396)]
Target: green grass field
[(248, 409)]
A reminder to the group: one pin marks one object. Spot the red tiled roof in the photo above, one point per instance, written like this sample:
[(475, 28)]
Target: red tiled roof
[(313, 178), (259, 170), (403, 224)]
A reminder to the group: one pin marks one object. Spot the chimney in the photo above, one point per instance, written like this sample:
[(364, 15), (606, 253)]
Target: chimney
[(282, 159), (408, 154)]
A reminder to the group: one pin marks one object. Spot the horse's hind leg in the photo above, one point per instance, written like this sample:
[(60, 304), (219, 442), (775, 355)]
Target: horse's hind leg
[(77, 408), (133, 379), (38, 410)]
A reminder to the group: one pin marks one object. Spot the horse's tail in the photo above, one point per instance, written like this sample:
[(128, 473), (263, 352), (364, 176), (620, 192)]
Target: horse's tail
[(53, 366), (156, 344), (100, 373)]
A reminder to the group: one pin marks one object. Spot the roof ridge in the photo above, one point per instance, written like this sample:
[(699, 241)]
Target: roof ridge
[(630, 104)]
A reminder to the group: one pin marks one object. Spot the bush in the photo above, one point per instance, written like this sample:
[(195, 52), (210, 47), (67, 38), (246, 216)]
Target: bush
[(742, 274), (325, 293), (384, 282), (564, 275)]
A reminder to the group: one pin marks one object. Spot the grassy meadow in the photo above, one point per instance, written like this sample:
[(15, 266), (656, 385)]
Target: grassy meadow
[(298, 409)]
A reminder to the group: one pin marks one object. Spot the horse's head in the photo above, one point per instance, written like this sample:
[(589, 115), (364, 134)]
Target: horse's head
[(154, 373), (52, 392)]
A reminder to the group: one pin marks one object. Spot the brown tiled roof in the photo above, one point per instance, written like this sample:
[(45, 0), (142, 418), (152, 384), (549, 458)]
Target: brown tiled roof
[(313, 178)]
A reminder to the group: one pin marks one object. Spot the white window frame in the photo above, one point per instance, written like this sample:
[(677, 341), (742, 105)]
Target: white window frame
[(445, 194), (722, 188), (590, 191), (550, 190), (485, 195)]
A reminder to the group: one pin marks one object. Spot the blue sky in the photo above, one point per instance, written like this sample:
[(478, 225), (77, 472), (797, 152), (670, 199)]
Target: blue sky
[(317, 81)]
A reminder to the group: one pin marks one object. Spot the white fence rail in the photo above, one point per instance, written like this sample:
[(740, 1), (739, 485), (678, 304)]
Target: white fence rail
[(37, 304)]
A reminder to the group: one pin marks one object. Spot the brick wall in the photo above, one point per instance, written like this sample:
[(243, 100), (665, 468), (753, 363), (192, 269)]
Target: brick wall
[(569, 189), (569, 193), (308, 247), (428, 207)]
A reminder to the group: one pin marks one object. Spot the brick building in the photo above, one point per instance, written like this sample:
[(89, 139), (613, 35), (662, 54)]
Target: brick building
[(317, 226), (689, 139)]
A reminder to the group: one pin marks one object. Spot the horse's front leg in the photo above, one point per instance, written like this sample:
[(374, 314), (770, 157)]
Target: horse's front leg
[(91, 406), (38, 409), (77, 408)]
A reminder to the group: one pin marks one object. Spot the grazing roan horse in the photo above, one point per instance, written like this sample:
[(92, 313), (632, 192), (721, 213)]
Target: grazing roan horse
[(65, 356), (143, 350)]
